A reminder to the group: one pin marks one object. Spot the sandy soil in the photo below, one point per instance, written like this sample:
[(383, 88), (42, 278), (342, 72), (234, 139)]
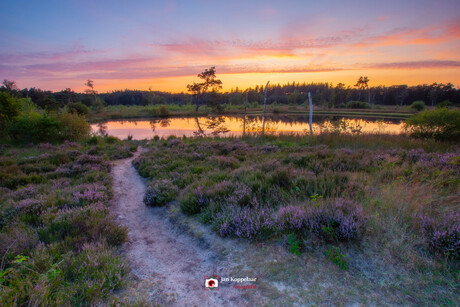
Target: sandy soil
[(172, 262)]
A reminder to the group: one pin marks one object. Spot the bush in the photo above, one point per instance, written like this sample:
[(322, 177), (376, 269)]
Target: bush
[(9, 109), (193, 202), (418, 105), (77, 107), (443, 237), (163, 111), (439, 124), (358, 105), (337, 220), (160, 193), (249, 223), (47, 128), (335, 255), (291, 218), (444, 104), (73, 127)]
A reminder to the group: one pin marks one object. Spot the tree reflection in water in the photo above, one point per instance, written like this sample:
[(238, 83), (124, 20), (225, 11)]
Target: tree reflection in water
[(102, 129), (164, 123), (214, 125), (253, 125)]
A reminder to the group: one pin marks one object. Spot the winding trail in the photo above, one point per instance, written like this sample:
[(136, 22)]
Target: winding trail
[(159, 253)]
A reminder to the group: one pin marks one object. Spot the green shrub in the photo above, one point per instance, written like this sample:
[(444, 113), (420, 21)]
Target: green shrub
[(418, 105), (335, 255), (73, 127), (293, 244), (193, 201), (444, 104), (77, 107), (160, 193), (47, 127), (163, 111), (358, 105), (439, 124), (9, 109)]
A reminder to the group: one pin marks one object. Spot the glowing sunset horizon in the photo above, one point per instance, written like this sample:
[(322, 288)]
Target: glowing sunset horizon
[(163, 45)]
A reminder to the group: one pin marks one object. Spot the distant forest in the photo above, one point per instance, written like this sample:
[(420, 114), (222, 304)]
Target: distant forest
[(323, 94)]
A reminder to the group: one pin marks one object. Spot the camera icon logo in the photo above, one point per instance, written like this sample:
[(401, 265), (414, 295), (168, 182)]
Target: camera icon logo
[(211, 282)]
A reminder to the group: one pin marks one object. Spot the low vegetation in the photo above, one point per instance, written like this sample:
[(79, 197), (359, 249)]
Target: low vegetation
[(442, 124), (391, 196), (57, 238), (23, 122)]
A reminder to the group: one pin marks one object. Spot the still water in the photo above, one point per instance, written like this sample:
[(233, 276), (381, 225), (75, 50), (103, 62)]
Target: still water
[(236, 126)]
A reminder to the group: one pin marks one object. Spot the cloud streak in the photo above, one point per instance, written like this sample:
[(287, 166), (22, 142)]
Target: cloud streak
[(418, 64)]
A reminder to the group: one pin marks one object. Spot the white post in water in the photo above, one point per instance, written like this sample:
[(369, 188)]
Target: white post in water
[(311, 112), (265, 106), (244, 118)]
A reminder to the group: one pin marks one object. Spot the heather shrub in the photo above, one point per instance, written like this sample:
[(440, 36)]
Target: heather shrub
[(17, 239), (90, 193), (281, 176), (242, 195), (56, 206), (46, 277), (336, 220), (160, 193), (98, 271), (192, 201), (76, 226), (291, 218), (244, 222), (225, 162), (220, 191), (443, 237)]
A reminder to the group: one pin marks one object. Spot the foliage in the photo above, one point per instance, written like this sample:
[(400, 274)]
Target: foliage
[(336, 220), (439, 124), (357, 105), (56, 127), (9, 109), (418, 105), (78, 108), (293, 244), (251, 223), (160, 193), (200, 90), (57, 237), (335, 255), (443, 237)]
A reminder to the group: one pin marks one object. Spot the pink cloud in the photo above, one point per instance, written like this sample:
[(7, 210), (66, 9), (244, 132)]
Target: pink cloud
[(418, 64)]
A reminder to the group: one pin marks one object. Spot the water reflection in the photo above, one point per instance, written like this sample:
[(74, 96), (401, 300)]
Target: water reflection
[(213, 125), (237, 126)]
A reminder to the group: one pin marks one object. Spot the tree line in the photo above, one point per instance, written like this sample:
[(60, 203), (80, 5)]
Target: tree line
[(295, 93)]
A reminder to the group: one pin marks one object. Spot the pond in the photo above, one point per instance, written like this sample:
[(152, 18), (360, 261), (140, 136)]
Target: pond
[(140, 129)]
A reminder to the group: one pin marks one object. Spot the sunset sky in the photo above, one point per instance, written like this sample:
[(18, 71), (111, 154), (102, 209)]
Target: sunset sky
[(162, 45)]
